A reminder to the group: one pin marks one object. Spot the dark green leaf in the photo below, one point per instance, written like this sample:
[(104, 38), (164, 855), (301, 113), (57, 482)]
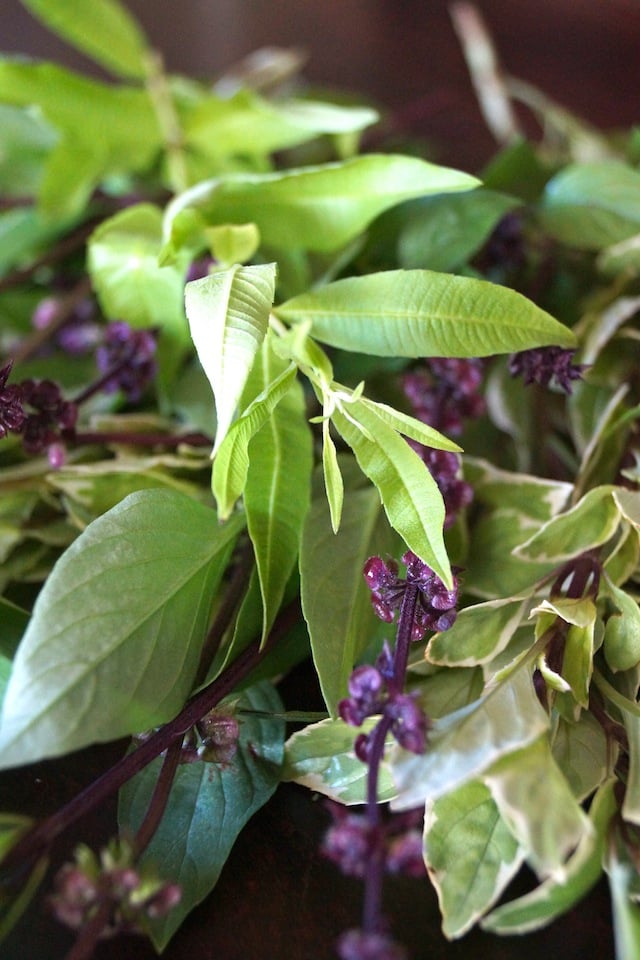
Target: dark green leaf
[(208, 806)]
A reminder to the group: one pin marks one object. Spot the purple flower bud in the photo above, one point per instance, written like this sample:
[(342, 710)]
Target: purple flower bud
[(348, 843), (410, 722), (405, 854), (379, 574), (45, 313), (361, 945), (12, 413), (168, 897)]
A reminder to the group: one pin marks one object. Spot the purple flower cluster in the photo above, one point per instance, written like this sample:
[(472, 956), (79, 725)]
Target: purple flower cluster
[(371, 693), (445, 392), (127, 360), (369, 945), (37, 411), (435, 609), (88, 885), (544, 364), (351, 840)]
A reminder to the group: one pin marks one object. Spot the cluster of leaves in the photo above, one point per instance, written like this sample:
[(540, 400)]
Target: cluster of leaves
[(134, 576)]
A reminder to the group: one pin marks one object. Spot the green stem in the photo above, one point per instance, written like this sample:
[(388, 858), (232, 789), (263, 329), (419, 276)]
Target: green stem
[(168, 121)]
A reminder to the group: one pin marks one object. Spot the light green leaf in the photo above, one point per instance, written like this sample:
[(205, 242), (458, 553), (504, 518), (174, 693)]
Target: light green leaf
[(622, 630), (464, 744), (104, 128), (114, 640), (228, 314), (233, 243), (26, 140), (535, 801), (123, 265), (321, 758), (318, 207), (278, 488), (628, 503), (333, 483), (592, 205), (479, 633), (554, 897), (208, 806), (418, 313), (411, 427), (470, 855), (444, 691), (103, 29), (631, 804), (409, 494), (592, 521), (335, 600), (231, 462), (532, 496), (217, 127)]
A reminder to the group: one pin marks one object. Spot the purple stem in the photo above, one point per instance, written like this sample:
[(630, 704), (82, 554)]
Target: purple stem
[(374, 876), (84, 438)]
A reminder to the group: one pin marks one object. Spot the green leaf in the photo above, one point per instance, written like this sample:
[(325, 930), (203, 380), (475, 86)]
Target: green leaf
[(470, 855), (622, 631), (217, 127), (554, 897), (208, 806), (418, 313), (335, 600), (480, 633), (12, 907), (321, 758), (278, 487), (114, 640), (531, 496), (231, 462), (534, 799), (233, 243), (464, 744), (581, 751), (592, 205), (318, 207), (26, 140), (409, 494), (410, 427), (333, 483), (123, 264), (103, 29), (591, 522), (626, 911), (492, 569), (228, 314), (13, 623), (104, 129), (443, 232)]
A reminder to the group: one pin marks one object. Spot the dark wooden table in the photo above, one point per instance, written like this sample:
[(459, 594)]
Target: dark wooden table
[(277, 899)]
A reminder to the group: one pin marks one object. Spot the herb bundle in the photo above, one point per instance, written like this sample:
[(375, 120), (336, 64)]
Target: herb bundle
[(248, 371)]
